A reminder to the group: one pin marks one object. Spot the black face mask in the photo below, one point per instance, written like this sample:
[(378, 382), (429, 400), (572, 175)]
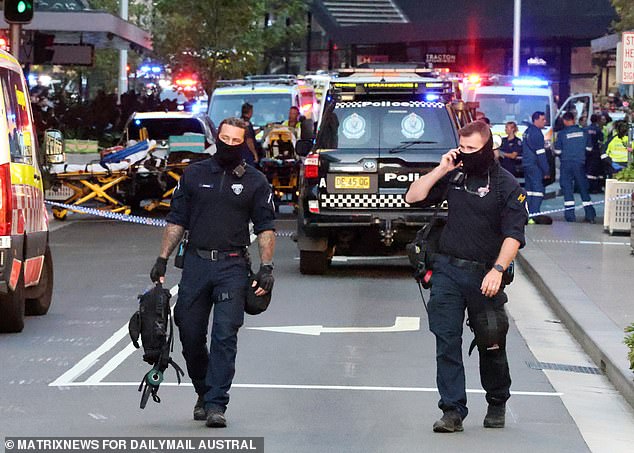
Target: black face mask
[(228, 156), (479, 162)]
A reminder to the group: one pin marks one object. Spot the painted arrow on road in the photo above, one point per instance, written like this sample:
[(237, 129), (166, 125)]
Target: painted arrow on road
[(401, 324)]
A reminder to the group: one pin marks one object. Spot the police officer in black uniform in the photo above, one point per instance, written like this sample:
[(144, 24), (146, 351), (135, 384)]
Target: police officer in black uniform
[(214, 202), (484, 230)]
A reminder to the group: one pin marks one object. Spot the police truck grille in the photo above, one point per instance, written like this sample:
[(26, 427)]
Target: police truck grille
[(363, 201)]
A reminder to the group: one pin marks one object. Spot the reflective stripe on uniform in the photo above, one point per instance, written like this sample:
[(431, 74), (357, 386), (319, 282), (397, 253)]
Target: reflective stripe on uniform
[(587, 203), (588, 148), (569, 203), (592, 177), (558, 152), (604, 156), (540, 151), (535, 194)]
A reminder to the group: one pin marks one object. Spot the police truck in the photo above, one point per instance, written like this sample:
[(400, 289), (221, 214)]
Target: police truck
[(380, 130)]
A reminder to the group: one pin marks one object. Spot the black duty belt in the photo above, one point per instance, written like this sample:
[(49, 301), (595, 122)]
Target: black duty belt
[(467, 264), (216, 255)]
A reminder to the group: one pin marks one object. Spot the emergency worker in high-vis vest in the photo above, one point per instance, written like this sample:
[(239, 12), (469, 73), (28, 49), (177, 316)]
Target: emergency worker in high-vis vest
[(617, 148)]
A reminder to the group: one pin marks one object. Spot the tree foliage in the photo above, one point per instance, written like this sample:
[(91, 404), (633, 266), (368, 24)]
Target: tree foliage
[(625, 10), (225, 38)]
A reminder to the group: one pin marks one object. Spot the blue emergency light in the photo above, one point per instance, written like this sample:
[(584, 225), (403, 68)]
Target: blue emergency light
[(530, 82), (429, 97)]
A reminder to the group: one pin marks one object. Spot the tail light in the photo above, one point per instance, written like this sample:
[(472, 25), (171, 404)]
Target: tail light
[(311, 166), (5, 200)]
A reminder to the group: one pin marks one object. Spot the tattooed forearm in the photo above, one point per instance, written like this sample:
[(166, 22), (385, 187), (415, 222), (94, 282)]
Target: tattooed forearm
[(171, 237), (266, 243)]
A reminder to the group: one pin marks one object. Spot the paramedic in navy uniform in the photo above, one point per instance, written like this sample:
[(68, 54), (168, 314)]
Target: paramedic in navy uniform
[(484, 230), (214, 201)]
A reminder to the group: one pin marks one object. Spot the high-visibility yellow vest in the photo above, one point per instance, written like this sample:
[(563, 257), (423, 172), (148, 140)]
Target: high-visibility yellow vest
[(617, 149)]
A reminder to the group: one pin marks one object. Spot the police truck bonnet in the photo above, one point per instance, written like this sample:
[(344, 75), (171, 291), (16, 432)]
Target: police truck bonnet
[(219, 206)]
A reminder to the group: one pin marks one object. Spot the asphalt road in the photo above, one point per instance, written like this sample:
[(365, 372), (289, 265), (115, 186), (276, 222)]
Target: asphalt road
[(362, 382)]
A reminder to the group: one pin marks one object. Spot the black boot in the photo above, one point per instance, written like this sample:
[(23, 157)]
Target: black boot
[(216, 419), (199, 409), (450, 422), (495, 416)]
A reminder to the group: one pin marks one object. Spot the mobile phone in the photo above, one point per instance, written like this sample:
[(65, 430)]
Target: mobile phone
[(458, 158)]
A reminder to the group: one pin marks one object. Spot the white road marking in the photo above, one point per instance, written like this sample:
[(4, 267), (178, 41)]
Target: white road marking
[(566, 241), (91, 359), (111, 364), (87, 362), (401, 324), (312, 387), (361, 259), (58, 225)]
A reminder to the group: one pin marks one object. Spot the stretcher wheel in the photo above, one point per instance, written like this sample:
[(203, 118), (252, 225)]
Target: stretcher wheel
[(60, 214)]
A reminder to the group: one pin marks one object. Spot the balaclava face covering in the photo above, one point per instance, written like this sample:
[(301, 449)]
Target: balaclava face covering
[(228, 156), (479, 162)]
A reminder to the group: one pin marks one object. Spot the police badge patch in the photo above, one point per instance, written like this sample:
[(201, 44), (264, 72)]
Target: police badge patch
[(237, 188), (354, 126), (412, 126)]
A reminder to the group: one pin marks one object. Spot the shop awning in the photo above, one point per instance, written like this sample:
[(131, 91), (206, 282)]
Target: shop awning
[(97, 28)]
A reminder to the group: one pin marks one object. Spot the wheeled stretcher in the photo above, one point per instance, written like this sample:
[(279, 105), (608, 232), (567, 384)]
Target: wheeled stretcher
[(281, 166), (170, 171), (98, 182)]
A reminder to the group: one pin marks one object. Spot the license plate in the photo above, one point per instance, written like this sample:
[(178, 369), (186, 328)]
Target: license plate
[(352, 182)]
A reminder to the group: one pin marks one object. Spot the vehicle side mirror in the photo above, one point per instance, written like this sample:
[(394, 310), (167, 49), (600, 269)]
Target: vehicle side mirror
[(54, 147), (303, 147)]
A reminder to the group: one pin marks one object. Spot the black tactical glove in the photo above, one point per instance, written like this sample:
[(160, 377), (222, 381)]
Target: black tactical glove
[(264, 277), (159, 269)]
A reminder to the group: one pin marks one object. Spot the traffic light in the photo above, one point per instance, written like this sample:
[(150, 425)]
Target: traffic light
[(43, 48), (18, 11)]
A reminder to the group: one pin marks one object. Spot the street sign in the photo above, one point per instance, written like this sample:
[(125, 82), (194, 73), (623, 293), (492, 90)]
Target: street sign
[(627, 58)]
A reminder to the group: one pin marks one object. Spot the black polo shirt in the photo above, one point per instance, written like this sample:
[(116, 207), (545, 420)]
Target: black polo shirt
[(216, 206), (477, 226)]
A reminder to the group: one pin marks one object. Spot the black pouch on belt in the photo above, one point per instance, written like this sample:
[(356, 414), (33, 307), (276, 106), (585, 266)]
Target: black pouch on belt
[(179, 259), (509, 274)]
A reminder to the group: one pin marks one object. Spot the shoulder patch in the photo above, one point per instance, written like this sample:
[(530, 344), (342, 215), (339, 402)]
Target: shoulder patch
[(521, 197)]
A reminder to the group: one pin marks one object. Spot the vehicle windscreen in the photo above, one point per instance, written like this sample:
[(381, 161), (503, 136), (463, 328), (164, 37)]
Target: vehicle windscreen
[(267, 107), (386, 125), (163, 128), (501, 108)]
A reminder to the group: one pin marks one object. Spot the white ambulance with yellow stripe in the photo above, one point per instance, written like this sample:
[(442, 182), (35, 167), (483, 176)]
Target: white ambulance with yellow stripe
[(26, 267)]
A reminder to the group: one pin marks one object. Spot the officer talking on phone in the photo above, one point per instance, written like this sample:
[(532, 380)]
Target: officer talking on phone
[(214, 201), (484, 230)]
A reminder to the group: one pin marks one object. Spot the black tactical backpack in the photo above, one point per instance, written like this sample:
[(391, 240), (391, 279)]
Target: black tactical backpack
[(153, 323)]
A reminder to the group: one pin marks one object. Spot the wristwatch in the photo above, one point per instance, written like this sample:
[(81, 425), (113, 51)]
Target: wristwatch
[(499, 268)]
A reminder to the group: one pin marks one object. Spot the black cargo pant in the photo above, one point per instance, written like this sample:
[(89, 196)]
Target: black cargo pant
[(455, 289), (205, 284)]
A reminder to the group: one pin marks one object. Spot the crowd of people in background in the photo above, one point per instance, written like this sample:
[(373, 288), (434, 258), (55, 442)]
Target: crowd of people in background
[(589, 154), (102, 118)]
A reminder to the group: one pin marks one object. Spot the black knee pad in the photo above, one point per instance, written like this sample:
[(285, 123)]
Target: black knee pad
[(490, 327)]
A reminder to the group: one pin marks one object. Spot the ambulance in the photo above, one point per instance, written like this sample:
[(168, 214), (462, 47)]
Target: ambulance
[(26, 266), (505, 98), (270, 95)]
